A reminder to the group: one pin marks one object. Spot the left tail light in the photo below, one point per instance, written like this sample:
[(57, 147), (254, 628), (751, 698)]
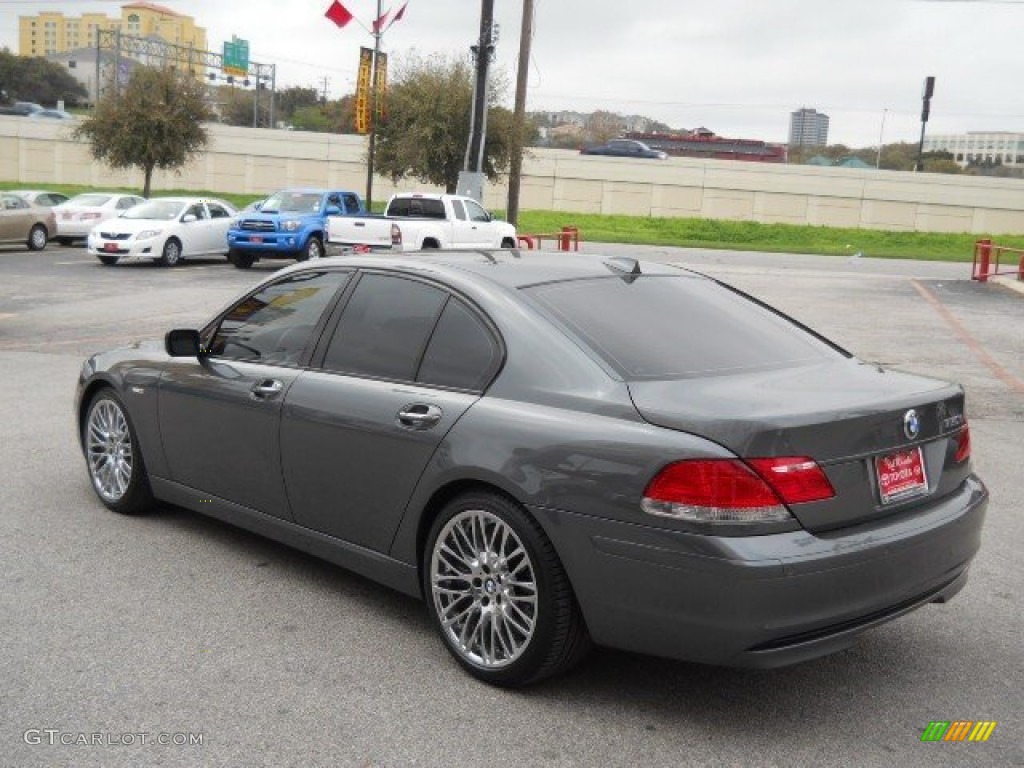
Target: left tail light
[(735, 491), (963, 445)]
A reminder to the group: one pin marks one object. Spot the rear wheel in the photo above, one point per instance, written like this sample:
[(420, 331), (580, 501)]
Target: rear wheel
[(108, 260), (113, 457), (37, 238), (171, 254), (429, 245), (240, 259), (314, 250), (498, 594), (508, 242)]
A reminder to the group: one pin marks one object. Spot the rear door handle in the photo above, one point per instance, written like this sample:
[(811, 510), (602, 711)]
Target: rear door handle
[(419, 416), (267, 389)]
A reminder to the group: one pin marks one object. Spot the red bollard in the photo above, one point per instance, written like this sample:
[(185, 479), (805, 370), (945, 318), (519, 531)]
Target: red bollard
[(982, 260), (563, 240)]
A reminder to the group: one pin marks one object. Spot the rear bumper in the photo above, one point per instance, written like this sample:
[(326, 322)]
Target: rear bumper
[(763, 601)]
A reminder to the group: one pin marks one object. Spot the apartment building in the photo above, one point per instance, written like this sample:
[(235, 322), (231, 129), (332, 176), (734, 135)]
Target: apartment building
[(51, 32)]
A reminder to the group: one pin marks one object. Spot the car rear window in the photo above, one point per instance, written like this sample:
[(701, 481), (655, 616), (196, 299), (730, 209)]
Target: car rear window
[(416, 207), (665, 327)]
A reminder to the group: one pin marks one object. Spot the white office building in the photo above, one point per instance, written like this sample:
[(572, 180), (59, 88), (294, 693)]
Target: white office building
[(994, 147)]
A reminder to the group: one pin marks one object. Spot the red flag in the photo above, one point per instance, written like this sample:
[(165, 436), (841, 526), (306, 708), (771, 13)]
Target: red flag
[(378, 25), (400, 14), (339, 14)]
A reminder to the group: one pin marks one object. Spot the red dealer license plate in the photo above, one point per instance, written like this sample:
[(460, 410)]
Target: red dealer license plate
[(110, 246), (901, 475), (256, 239)]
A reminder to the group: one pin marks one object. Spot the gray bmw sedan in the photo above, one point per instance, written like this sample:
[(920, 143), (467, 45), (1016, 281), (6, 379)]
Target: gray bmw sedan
[(553, 450)]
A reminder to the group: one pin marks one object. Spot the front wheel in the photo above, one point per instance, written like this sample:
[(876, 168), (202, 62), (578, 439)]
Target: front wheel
[(37, 238), (112, 455), (240, 259), (171, 254), (108, 261), (314, 250), (498, 594)]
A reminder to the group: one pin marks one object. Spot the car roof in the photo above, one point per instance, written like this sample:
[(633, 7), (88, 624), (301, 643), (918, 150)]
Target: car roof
[(509, 268)]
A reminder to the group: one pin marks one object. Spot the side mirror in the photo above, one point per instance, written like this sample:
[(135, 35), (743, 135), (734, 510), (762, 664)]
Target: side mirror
[(189, 217), (332, 210), (182, 342)]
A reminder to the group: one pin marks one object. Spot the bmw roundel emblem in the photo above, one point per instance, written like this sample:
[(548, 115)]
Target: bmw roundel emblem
[(911, 424)]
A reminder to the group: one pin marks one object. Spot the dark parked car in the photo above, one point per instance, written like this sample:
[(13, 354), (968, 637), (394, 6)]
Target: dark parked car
[(554, 449), (21, 108), (23, 222), (624, 148)]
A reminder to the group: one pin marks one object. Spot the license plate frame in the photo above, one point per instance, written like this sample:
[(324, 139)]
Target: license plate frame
[(901, 475), (256, 239)]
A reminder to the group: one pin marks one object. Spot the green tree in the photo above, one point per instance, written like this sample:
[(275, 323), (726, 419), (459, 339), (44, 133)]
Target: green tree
[(427, 129), (157, 122), (288, 100), (33, 78)]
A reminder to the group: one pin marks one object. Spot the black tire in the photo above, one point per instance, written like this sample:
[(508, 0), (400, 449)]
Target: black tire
[(508, 242), (492, 589), (314, 250), (37, 238), (240, 259), (103, 457), (171, 255), (65, 240), (108, 260), (430, 245)]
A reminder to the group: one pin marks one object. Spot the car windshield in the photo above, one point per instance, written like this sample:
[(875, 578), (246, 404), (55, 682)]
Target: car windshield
[(292, 202), (89, 199), (667, 327), (158, 210)]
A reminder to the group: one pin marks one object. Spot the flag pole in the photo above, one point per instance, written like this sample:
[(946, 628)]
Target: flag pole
[(373, 110)]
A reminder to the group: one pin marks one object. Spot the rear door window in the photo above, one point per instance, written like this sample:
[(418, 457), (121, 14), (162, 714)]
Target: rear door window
[(664, 327), (384, 327), (462, 353)]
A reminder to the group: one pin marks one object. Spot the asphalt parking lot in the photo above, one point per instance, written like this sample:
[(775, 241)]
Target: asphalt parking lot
[(179, 626)]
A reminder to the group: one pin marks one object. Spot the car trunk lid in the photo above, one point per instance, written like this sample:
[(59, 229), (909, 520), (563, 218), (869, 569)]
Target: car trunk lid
[(846, 415)]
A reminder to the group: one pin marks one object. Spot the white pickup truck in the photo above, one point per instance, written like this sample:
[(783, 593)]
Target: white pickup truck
[(413, 222)]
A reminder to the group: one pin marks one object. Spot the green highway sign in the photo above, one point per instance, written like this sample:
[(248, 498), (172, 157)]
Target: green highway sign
[(236, 57)]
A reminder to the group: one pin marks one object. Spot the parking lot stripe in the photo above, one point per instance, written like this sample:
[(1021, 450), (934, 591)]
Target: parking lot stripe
[(965, 336)]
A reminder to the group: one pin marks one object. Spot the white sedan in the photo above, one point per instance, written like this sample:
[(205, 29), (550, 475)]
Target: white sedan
[(164, 229), (77, 216)]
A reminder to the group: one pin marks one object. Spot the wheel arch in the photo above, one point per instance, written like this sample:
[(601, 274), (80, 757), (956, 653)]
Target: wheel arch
[(437, 502)]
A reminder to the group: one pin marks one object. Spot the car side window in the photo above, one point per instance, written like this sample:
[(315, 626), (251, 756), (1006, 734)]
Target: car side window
[(218, 211), (460, 210), (196, 210), (351, 203), (275, 324), (462, 352), (14, 203), (476, 213), (384, 328)]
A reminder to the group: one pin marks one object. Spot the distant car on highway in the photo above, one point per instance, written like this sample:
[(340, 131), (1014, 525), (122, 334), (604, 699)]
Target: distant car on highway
[(52, 114), (41, 197), (22, 222), (164, 229), (77, 216), (624, 148)]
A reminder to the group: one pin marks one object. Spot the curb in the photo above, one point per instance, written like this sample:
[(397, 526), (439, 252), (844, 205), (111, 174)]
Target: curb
[(1009, 282)]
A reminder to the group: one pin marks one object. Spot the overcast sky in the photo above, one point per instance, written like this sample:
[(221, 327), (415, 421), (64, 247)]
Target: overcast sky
[(738, 67)]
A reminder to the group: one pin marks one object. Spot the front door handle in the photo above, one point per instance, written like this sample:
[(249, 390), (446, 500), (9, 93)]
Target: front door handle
[(419, 416), (266, 389)]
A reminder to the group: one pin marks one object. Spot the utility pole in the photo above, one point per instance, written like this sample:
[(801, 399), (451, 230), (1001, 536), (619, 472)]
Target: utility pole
[(373, 109), (519, 116), (478, 125), (926, 105)]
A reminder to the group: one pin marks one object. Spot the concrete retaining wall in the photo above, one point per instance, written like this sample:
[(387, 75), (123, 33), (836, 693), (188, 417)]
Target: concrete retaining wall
[(247, 160)]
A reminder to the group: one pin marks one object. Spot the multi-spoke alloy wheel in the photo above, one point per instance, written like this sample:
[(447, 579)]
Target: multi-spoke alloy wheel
[(109, 450), (484, 589), (498, 593), (112, 454)]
